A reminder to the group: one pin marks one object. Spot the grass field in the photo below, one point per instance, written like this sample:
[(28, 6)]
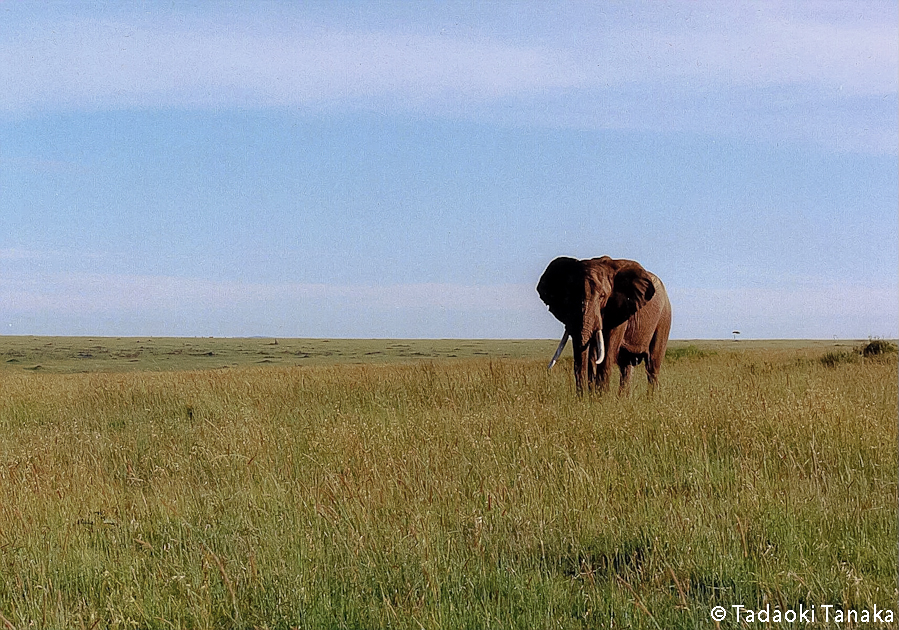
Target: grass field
[(106, 354), (215, 483)]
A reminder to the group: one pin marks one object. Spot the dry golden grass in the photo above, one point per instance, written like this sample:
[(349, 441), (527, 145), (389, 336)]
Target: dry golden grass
[(466, 493)]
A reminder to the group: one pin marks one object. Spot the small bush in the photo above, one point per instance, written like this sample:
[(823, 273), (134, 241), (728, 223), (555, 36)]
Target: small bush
[(877, 347), (836, 357)]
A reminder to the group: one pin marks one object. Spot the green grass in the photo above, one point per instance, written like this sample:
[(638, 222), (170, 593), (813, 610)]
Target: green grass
[(129, 354), (65, 355), (440, 492)]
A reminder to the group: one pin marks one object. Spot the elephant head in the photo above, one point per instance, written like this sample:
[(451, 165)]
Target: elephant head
[(589, 297)]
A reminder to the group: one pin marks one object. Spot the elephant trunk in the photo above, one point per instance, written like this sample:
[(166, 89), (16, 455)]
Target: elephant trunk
[(591, 332)]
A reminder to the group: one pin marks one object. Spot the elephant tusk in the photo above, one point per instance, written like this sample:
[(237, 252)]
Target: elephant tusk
[(558, 350), (602, 348)]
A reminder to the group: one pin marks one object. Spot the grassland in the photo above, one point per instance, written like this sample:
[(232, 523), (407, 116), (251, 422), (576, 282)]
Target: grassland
[(107, 354), (145, 487), (64, 355)]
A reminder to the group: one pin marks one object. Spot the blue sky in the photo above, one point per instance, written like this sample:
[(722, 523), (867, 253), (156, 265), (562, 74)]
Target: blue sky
[(408, 169)]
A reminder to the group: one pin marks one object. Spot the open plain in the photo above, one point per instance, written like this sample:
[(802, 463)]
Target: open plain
[(295, 483)]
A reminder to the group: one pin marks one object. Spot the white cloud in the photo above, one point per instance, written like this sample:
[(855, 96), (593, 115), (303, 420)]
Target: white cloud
[(757, 45), (816, 71), (96, 65)]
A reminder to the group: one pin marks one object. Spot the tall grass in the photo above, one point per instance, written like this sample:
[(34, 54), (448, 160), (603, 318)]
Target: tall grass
[(465, 494)]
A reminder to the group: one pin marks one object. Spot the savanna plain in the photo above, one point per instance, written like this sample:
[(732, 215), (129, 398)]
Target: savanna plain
[(260, 483)]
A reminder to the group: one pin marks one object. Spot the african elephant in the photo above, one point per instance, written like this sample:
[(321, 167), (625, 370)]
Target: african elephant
[(615, 312)]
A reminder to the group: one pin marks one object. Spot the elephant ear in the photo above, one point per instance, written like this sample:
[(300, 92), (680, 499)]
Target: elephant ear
[(632, 288), (561, 287)]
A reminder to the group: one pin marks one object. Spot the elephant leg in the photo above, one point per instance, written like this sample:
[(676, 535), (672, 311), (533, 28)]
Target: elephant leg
[(602, 373), (601, 380), (657, 348), (652, 376), (592, 373), (613, 354), (578, 376), (581, 368), (624, 386)]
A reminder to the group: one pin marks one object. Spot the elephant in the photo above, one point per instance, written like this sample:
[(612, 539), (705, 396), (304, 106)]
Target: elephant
[(615, 312)]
